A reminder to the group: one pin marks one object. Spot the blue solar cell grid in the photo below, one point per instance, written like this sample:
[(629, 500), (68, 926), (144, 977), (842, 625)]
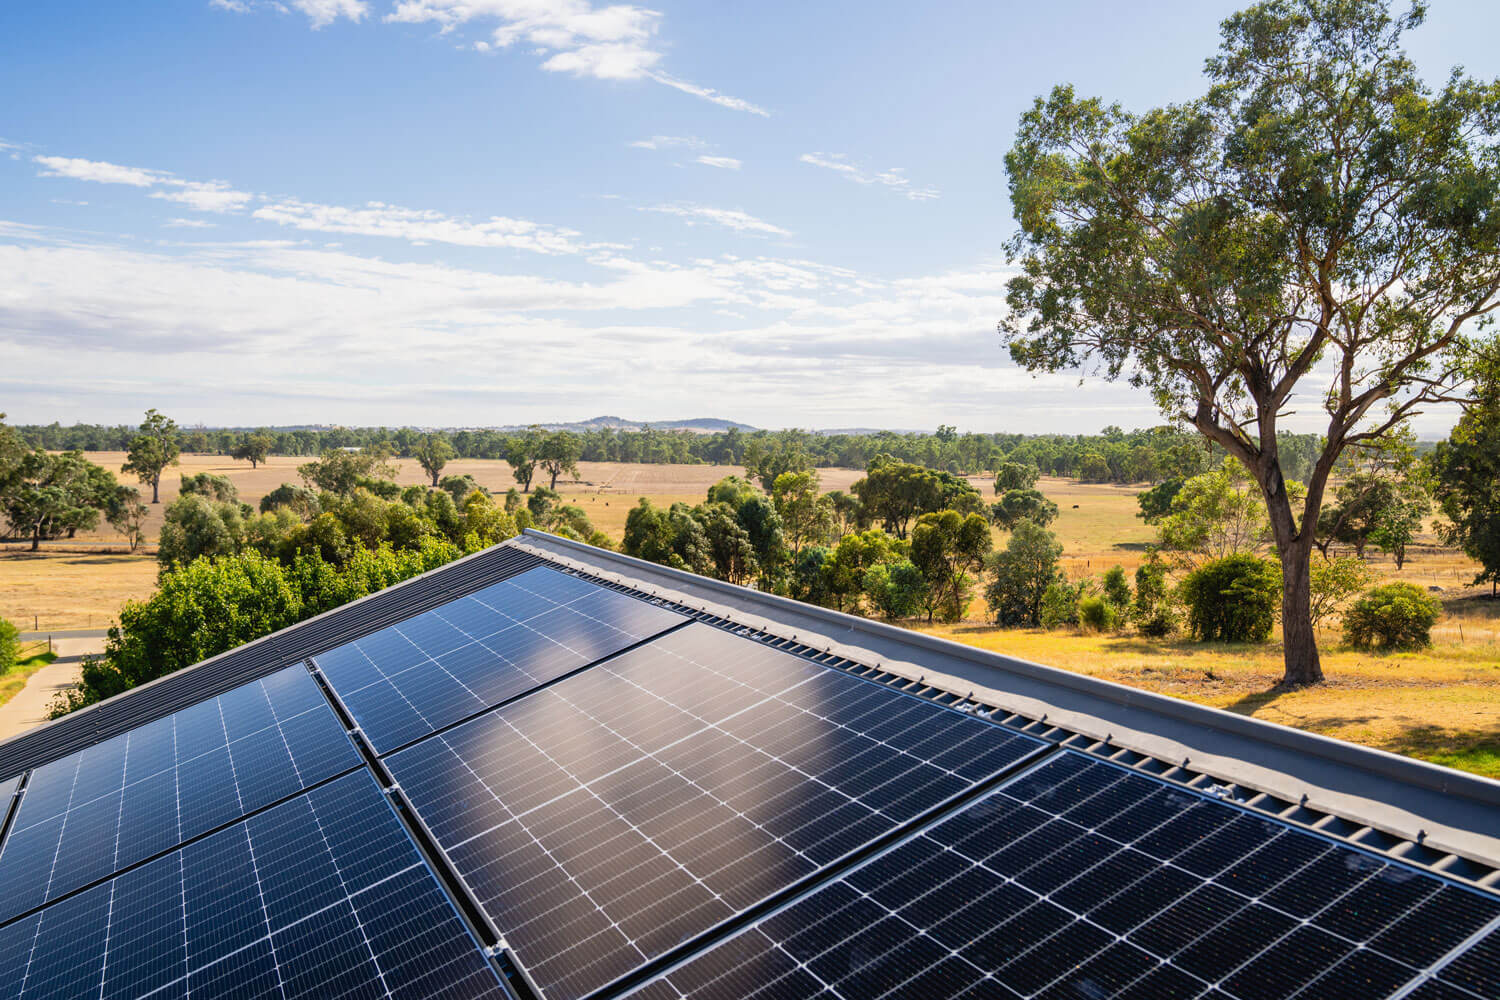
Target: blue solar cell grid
[(321, 896), (609, 817), (1081, 880), (95, 812), (408, 680)]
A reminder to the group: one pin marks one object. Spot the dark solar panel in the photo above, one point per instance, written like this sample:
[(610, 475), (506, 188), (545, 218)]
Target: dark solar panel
[(611, 816), (97, 811), (415, 677), (1082, 880), (321, 896)]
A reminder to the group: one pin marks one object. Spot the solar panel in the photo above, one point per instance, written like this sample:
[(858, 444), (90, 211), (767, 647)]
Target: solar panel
[(1083, 880), (97, 811), (609, 817), (408, 680), (321, 896)]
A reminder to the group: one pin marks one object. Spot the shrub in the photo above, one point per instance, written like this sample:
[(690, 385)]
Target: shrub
[(1153, 612), (1060, 604), (1116, 587), (1097, 613), (1233, 599), (9, 645), (895, 588), (1393, 616), (1020, 575)]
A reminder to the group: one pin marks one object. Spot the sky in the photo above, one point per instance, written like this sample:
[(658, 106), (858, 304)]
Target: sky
[(489, 212)]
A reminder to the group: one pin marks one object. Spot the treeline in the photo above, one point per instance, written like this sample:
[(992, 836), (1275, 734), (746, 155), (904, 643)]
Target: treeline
[(1113, 455)]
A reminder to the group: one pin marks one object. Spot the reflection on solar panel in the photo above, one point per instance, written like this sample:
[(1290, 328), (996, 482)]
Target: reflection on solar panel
[(323, 895), (413, 678), (603, 820), (1083, 880), (95, 812)]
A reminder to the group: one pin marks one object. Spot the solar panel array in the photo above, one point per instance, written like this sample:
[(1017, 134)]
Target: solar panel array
[(1083, 880), (636, 801)]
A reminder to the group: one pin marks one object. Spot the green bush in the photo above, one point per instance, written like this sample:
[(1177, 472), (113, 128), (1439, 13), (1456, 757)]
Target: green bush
[(1060, 604), (9, 645), (1152, 611), (1116, 588), (1234, 599), (1393, 616), (1097, 613)]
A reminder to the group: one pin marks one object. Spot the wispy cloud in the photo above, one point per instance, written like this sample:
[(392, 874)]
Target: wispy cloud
[(188, 224), (893, 178), (614, 42), (722, 162), (670, 141), (740, 222), (204, 196), (320, 13), (422, 226)]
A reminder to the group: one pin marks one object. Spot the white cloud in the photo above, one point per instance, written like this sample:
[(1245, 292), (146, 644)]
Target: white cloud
[(98, 171), (187, 224), (740, 222), (722, 162), (668, 141), (613, 42), (320, 13), (421, 226), (204, 196), (894, 178)]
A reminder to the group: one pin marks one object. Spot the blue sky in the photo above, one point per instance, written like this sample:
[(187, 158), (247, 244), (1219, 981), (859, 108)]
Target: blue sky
[(475, 212)]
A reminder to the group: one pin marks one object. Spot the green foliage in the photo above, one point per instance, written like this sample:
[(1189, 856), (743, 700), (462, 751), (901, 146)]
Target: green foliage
[(521, 452), (433, 453), (1020, 575), (558, 453), (253, 448), (729, 544), (767, 461), (47, 496), (1153, 612), (127, 515), (1233, 599), (9, 645), (1098, 614), (894, 493), (808, 581), (213, 605), (1060, 603), (672, 537), (1466, 479), (1334, 582), (1214, 514), (206, 484), (460, 487), (152, 450), (341, 472), (1116, 588), (1392, 616), (197, 527), (895, 589), (1015, 476), (806, 516), (1156, 503), (1022, 505), (949, 548), (299, 499), (849, 561)]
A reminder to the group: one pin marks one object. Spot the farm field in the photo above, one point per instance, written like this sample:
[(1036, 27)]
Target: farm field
[(1442, 704)]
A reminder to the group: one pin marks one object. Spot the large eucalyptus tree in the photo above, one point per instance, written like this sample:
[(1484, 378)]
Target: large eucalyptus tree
[(1320, 229)]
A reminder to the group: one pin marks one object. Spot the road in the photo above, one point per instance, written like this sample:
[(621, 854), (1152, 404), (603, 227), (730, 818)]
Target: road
[(29, 707)]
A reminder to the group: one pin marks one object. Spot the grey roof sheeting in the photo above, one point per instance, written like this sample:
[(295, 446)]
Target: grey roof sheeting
[(1429, 811)]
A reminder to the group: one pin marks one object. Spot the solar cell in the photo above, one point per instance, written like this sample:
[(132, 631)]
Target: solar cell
[(1083, 880), (408, 680), (613, 815), (321, 896), (97, 811)]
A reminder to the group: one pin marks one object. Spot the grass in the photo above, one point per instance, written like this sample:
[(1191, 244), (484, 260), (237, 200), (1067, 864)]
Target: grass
[(14, 679), (52, 590)]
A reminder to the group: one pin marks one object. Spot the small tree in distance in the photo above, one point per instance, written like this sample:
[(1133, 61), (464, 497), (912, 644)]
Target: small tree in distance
[(253, 448), (433, 453), (1320, 225), (152, 450)]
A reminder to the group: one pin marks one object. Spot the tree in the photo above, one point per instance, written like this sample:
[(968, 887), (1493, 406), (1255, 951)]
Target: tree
[(1466, 481), (1156, 503), (559, 453), (949, 547), (433, 453), (253, 448), (299, 499), (1215, 514), (206, 484), (460, 487), (127, 515), (767, 461), (1020, 574), (847, 563), (1319, 214), (729, 544), (46, 495), (1334, 582), (152, 450), (895, 588), (521, 453), (341, 471), (1015, 476), (806, 517), (1022, 505), (894, 493)]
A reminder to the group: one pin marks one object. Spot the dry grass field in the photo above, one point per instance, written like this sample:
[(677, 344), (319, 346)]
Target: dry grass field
[(1442, 704)]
